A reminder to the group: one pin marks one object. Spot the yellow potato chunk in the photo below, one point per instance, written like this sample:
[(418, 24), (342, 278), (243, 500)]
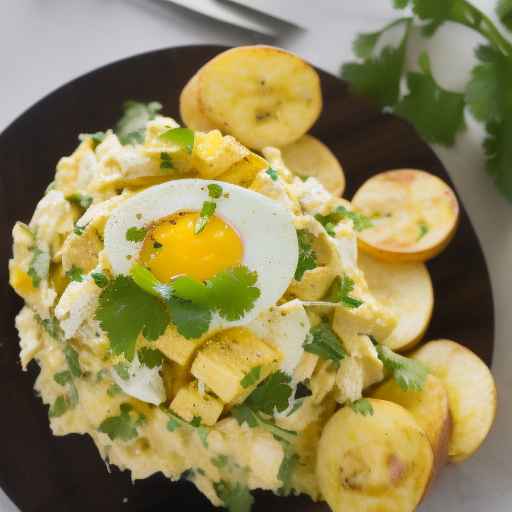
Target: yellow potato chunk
[(414, 215), (430, 409), (471, 393), (189, 402), (228, 357), (245, 170), (175, 377), (406, 290), (310, 157), (261, 95), (378, 463)]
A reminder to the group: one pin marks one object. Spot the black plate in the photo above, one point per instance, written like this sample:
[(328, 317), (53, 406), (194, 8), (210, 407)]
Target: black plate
[(41, 472)]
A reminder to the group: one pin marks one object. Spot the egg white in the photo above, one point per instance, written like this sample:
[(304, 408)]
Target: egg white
[(264, 226)]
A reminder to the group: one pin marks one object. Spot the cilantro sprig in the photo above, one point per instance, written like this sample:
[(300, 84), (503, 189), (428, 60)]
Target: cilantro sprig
[(360, 221), (324, 342), (307, 256), (409, 374), (438, 113), (340, 291), (362, 406), (124, 426)]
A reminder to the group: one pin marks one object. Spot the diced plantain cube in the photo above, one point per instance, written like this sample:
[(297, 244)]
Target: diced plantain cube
[(190, 402), (244, 171), (176, 347), (228, 357)]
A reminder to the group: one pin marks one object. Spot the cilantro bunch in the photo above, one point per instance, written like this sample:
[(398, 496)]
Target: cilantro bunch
[(140, 304), (437, 113)]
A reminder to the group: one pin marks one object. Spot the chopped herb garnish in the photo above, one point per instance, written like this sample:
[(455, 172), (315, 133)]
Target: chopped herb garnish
[(220, 461), (324, 342), (245, 414), (82, 200), (51, 326), (123, 370), (59, 407), (362, 406), (235, 496), (183, 137), (252, 377), (176, 422), (207, 210), (165, 161), (131, 128), (286, 469), (423, 230), (214, 190), (125, 311), (150, 357), (63, 377), (307, 257), (273, 174), (124, 426), (73, 361), (360, 221), (96, 137), (79, 230), (75, 274), (272, 394), (340, 291), (409, 374), (134, 234), (114, 390), (39, 266), (100, 279)]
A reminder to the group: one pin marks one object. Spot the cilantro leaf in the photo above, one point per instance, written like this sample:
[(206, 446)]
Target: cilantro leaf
[(245, 414), (207, 210), (499, 154), (273, 393), (232, 292), (214, 190), (307, 256), (100, 279), (378, 76), (165, 161), (408, 373), (82, 200), (236, 497), (362, 406), (191, 320), (59, 407), (72, 360), (63, 377), (220, 461), (150, 357), (75, 274), (51, 326), (360, 221), (436, 113), (176, 422), (131, 128), (251, 377), (183, 137), (286, 469), (122, 369), (324, 342), (39, 266), (125, 310), (435, 11), (273, 174), (134, 234), (114, 390), (340, 292), (504, 12), (122, 427)]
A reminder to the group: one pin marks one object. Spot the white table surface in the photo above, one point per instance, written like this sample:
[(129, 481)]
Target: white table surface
[(45, 43)]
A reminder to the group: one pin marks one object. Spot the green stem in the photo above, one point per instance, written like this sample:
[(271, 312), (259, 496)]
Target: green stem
[(472, 17)]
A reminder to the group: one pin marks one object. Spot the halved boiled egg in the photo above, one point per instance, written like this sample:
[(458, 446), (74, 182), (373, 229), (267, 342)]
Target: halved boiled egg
[(158, 229)]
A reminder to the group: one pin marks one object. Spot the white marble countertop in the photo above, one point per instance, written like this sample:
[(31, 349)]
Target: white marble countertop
[(45, 43)]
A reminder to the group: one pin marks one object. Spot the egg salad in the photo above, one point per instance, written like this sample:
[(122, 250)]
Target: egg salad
[(199, 309)]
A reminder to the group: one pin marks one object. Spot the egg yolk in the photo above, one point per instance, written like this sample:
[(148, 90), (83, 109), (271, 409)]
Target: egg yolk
[(171, 248)]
